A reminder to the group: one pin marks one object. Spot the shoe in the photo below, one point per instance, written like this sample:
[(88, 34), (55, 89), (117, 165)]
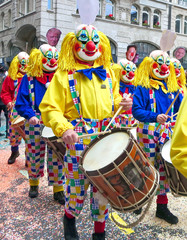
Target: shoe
[(13, 157), (70, 231), (26, 164), (164, 213), (98, 236), (138, 211), (60, 197), (33, 192)]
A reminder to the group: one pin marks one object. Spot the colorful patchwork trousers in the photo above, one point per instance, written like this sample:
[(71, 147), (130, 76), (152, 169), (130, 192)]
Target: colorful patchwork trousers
[(76, 182), (35, 152), (147, 137)]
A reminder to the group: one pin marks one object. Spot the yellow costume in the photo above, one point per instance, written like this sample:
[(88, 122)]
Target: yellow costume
[(179, 140)]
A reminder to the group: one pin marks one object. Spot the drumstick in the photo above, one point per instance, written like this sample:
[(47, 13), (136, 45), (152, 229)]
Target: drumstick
[(173, 115), (87, 135), (169, 108), (119, 109)]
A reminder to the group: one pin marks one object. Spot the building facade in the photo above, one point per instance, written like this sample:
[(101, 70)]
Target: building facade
[(24, 23)]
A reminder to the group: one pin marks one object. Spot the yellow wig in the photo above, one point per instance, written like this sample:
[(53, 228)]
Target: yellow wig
[(35, 67), (67, 60), (14, 67), (144, 74), (182, 77)]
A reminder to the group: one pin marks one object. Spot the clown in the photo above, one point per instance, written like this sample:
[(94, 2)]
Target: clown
[(180, 75), (125, 71), (86, 97), (40, 70), (156, 88), (9, 92)]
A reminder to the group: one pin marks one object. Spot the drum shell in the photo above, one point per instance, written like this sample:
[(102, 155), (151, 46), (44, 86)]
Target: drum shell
[(57, 147), (110, 181), (19, 126), (177, 182)]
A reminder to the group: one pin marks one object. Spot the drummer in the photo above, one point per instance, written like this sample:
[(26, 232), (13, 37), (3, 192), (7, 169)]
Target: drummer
[(40, 70), (9, 92), (125, 72), (86, 97), (156, 88), (179, 139)]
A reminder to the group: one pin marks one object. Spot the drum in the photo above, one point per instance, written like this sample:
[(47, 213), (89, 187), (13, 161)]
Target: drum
[(18, 125), (176, 181), (117, 166), (51, 140)]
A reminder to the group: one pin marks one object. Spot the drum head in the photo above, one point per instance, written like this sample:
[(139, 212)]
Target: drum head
[(18, 120), (165, 152), (105, 151), (47, 132)]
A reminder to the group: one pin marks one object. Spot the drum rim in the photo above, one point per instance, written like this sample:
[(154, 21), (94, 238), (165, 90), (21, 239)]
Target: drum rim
[(123, 155)]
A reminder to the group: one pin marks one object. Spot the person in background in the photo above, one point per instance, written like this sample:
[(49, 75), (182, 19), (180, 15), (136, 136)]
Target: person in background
[(180, 53), (40, 71), (131, 54), (156, 89), (3, 74), (9, 92), (53, 36)]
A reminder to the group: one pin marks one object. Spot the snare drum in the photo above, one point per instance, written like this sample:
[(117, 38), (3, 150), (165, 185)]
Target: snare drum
[(177, 182), (117, 166), (18, 125), (51, 140)]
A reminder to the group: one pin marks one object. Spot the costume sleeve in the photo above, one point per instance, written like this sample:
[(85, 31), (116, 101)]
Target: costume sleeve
[(141, 109), (7, 92), (53, 105), (23, 104), (179, 140)]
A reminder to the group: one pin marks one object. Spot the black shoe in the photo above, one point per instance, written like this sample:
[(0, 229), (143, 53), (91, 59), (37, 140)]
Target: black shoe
[(98, 236), (138, 211), (33, 192), (59, 196), (70, 231), (164, 213), (13, 157)]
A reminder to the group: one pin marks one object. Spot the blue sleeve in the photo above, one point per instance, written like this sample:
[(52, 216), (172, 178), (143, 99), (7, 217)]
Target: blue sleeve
[(141, 108), (23, 104)]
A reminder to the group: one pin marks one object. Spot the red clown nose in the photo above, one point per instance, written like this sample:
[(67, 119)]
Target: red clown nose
[(164, 68), (53, 61), (131, 74), (177, 71), (90, 46)]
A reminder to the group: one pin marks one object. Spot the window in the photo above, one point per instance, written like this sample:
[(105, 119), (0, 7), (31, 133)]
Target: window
[(2, 22), (50, 5), (145, 17), (144, 49), (9, 18), (99, 13), (185, 25), (178, 24), (109, 11), (182, 2), (134, 14), (29, 6), (156, 19), (113, 51)]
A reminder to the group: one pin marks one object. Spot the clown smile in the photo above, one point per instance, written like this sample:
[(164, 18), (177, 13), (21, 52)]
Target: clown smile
[(88, 53)]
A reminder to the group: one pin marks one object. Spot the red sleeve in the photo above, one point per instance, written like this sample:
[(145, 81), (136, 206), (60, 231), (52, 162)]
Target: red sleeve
[(7, 92)]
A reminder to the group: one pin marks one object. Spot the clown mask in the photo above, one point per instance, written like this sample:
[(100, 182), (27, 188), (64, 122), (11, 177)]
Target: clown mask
[(50, 57), (128, 69), (87, 45), (177, 66), (23, 58), (161, 64)]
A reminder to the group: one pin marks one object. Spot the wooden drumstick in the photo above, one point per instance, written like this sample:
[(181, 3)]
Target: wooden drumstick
[(87, 135), (119, 109), (173, 115), (169, 108)]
